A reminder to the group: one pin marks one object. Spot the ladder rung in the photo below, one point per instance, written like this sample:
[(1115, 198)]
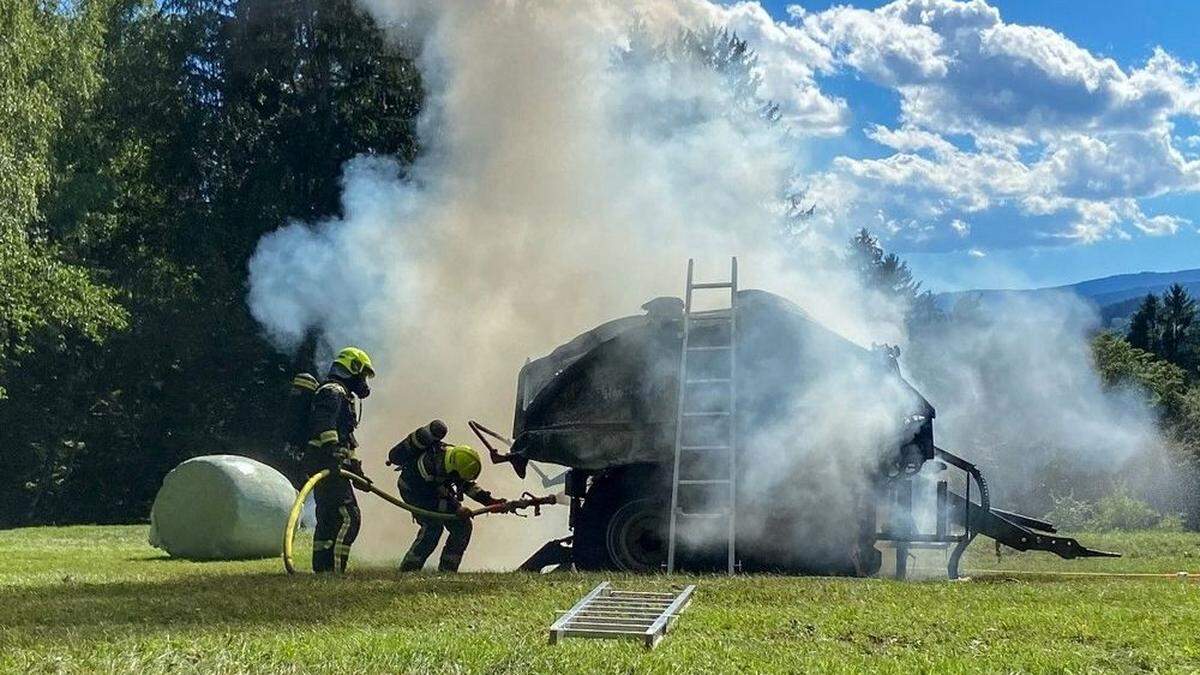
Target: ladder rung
[(685, 514), (706, 414), (611, 617), (722, 481), (710, 380), (706, 448), (608, 626), (714, 284), (712, 348), (710, 314), (627, 609), (621, 610), (584, 631), (631, 608)]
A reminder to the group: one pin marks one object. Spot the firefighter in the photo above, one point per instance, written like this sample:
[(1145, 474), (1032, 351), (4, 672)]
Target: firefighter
[(332, 446), (436, 476)]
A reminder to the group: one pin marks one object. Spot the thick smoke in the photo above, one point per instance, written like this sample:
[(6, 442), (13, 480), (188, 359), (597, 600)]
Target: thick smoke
[(567, 174), (1017, 391), (564, 181)]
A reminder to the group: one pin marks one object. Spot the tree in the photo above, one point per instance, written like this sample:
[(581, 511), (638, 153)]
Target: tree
[(884, 272), (206, 124), (710, 50), (887, 274), (1121, 363), (1145, 333), (1177, 323), (48, 75), (1166, 326), (733, 60)]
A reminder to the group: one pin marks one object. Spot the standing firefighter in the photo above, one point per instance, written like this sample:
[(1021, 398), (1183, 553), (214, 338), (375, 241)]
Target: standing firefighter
[(332, 422), (436, 477)]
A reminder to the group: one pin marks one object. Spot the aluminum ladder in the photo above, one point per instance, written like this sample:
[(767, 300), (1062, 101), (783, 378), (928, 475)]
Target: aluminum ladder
[(704, 479), (609, 613)]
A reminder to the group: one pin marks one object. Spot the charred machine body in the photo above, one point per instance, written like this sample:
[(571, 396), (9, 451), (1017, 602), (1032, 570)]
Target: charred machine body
[(748, 437)]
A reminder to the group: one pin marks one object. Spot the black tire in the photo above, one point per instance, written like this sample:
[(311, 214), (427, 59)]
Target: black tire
[(622, 526)]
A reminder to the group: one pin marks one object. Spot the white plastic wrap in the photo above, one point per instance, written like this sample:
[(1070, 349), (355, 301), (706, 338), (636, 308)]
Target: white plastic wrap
[(221, 507)]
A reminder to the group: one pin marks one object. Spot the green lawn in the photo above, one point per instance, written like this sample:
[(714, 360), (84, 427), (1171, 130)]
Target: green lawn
[(98, 598)]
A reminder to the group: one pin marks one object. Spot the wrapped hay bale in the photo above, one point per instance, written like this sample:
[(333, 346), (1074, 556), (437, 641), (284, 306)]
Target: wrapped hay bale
[(221, 507)]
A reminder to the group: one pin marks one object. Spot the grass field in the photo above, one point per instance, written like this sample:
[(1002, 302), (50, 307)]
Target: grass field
[(99, 598)]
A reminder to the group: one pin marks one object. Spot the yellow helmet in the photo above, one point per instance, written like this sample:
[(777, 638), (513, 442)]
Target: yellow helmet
[(463, 461), (355, 361)]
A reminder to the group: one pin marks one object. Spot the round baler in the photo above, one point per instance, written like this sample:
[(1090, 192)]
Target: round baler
[(830, 439)]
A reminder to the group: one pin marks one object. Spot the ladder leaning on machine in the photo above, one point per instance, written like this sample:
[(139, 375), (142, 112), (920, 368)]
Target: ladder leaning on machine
[(703, 487)]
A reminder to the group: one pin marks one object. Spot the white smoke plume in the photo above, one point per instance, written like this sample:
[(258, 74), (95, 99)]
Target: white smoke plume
[(558, 187), (556, 190), (1017, 390)]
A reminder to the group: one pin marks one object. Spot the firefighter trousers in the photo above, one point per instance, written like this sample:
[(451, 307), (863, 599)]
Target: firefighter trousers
[(338, 520), (459, 534)]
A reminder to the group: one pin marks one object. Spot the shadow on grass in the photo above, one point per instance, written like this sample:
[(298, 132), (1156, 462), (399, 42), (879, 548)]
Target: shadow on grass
[(233, 601), (165, 558), (168, 558)]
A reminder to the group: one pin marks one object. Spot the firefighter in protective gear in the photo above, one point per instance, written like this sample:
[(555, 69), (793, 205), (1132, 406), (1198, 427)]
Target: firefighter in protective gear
[(334, 416), (436, 476)]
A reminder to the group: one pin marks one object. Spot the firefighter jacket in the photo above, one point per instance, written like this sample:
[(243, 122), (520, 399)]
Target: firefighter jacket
[(422, 469), (333, 420)]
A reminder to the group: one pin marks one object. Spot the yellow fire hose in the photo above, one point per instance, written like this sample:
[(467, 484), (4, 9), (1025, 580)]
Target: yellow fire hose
[(289, 533)]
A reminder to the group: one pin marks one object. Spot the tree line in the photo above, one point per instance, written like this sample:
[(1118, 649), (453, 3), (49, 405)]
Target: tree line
[(145, 147)]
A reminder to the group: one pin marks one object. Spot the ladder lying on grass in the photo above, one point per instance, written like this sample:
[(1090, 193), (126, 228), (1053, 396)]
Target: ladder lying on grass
[(609, 613)]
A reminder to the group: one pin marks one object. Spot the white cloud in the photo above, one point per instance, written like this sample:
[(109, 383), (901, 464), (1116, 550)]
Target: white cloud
[(909, 139), (929, 180), (1062, 143), (960, 68), (1118, 164), (976, 253), (888, 50)]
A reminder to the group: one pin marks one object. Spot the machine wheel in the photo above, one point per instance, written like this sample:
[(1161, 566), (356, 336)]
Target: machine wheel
[(636, 537), (621, 528)]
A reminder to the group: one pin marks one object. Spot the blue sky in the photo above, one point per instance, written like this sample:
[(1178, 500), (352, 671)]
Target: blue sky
[(1006, 143)]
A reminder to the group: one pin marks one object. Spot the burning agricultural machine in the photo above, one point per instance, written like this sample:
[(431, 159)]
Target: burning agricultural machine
[(703, 440)]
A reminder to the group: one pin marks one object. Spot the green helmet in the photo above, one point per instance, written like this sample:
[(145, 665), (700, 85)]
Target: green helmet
[(355, 361), (463, 461)]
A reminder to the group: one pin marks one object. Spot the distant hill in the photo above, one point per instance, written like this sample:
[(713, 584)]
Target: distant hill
[(1116, 297)]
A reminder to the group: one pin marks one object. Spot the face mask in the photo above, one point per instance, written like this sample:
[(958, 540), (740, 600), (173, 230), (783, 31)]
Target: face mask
[(361, 388)]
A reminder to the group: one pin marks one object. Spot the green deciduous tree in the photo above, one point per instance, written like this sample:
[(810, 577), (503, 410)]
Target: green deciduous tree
[(49, 75), (197, 126), (1120, 363)]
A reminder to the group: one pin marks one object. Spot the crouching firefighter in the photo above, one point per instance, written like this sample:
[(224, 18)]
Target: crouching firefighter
[(334, 416), (436, 476)]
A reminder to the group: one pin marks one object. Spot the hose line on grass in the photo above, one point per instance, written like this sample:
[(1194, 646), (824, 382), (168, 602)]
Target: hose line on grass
[(1182, 576), (289, 533)]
